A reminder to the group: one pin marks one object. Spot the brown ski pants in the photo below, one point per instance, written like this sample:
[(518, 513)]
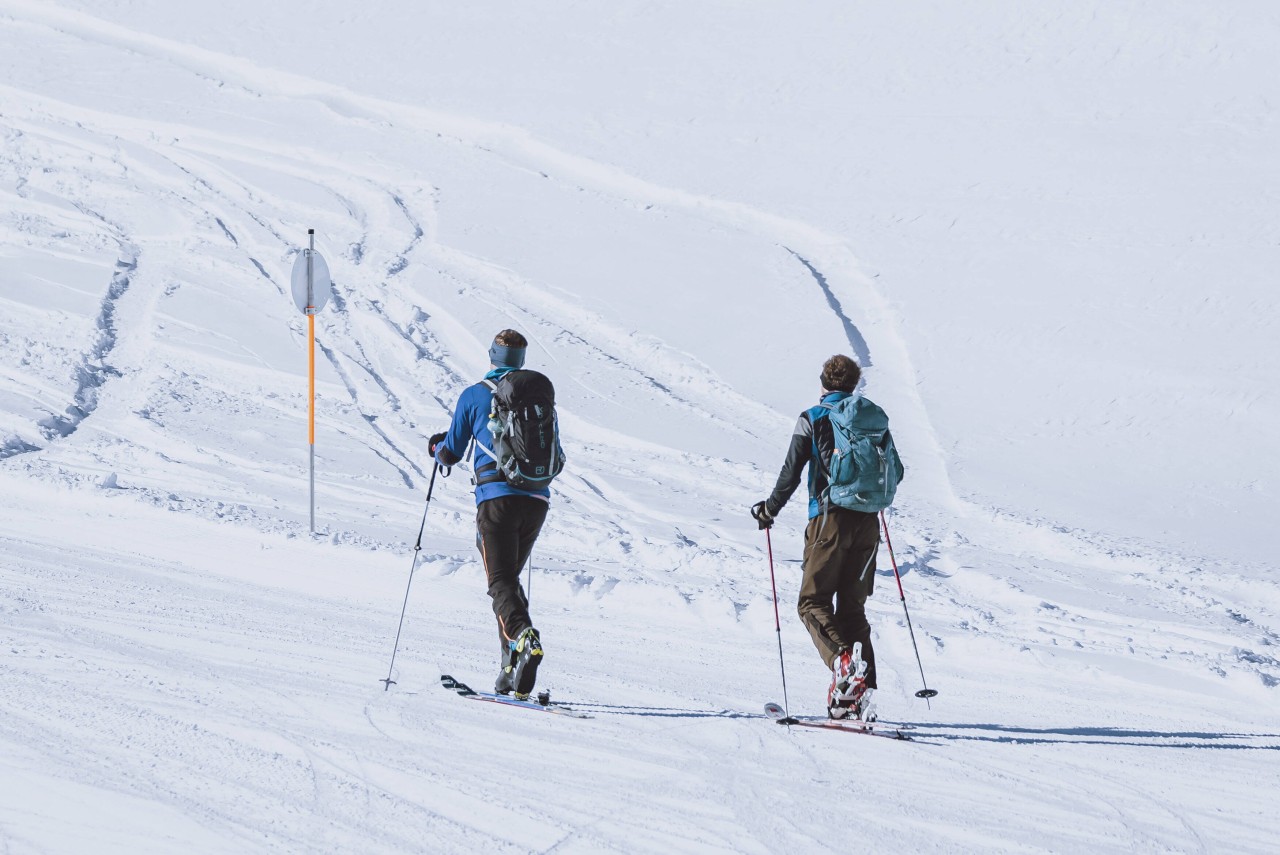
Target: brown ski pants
[(839, 575)]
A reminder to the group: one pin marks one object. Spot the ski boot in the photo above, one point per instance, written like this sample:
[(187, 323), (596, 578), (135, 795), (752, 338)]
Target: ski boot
[(848, 683), (506, 681), (527, 656)]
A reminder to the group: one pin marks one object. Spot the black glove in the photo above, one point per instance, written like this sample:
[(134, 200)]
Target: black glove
[(434, 441), (761, 512)]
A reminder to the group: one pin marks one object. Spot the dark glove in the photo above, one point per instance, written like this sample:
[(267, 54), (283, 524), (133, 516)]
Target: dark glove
[(434, 441), (761, 512)]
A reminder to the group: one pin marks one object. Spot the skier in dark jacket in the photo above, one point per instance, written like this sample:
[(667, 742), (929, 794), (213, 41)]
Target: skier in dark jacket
[(840, 548), (508, 520)]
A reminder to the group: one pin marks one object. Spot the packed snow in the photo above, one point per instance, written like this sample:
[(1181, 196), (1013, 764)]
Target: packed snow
[(1048, 231)]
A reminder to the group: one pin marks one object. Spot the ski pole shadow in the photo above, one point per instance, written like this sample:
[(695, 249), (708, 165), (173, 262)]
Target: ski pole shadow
[(1013, 735), (658, 712)]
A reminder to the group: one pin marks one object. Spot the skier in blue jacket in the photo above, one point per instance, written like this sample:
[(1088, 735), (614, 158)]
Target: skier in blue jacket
[(508, 519)]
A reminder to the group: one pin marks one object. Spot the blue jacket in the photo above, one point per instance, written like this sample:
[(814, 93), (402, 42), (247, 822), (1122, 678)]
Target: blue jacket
[(471, 424), (811, 445)]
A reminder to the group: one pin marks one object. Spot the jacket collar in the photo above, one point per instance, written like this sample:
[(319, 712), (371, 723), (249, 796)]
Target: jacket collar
[(498, 372)]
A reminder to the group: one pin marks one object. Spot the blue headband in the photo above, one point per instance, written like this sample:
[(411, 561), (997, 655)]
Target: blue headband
[(506, 357)]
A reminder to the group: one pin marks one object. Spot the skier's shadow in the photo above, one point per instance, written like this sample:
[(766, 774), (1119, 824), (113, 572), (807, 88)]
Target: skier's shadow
[(658, 712), (1091, 736)]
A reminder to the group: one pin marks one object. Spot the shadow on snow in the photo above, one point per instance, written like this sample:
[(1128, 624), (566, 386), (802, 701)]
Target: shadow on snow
[(658, 712), (1091, 736)]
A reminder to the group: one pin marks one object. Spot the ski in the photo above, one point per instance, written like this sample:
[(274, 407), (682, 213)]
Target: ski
[(543, 704), (885, 730)]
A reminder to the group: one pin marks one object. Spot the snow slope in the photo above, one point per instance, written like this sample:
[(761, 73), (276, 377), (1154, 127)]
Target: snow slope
[(1048, 234)]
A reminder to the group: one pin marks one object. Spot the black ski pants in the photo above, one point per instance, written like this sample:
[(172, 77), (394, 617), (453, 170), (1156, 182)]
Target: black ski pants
[(506, 528), (839, 575)]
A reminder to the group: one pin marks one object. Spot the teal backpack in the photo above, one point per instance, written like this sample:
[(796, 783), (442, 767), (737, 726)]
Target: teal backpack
[(865, 467)]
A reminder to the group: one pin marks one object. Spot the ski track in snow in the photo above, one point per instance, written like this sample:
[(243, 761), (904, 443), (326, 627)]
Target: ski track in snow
[(95, 370), (174, 663), (393, 445), (856, 341)]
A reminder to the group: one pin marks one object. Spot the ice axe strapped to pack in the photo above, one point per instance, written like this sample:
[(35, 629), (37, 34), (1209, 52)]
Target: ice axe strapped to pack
[(526, 449)]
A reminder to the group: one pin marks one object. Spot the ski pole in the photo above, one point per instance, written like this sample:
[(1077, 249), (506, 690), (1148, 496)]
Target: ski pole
[(777, 625), (926, 692), (417, 547)]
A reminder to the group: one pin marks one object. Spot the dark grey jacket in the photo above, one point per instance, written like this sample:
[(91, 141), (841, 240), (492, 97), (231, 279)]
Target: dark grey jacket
[(811, 445)]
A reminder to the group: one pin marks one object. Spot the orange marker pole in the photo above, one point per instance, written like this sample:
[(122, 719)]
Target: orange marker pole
[(311, 416), (311, 287)]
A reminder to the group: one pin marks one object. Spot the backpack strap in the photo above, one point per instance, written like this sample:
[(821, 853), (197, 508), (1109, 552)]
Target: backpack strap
[(487, 473), (487, 451), (824, 498), (493, 391), (870, 558)]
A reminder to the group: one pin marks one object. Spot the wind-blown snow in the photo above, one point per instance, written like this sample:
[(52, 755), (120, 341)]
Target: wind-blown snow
[(1049, 232)]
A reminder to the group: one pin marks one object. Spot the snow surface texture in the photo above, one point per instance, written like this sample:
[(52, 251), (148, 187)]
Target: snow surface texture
[(1049, 231)]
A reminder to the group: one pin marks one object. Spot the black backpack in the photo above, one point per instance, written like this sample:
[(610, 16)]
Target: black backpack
[(525, 430)]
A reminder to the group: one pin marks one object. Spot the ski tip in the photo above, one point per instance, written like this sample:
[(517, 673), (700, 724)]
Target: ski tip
[(927, 693), (788, 720)]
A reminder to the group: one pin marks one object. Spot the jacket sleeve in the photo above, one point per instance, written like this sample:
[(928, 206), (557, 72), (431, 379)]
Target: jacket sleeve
[(798, 454), (459, 433)]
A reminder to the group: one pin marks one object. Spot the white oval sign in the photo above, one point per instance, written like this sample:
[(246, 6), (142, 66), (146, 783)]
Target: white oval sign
[(310, 293)]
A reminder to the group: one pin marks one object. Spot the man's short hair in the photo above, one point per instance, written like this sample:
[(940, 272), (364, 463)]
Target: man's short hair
[(510, 338), (840, 374)]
